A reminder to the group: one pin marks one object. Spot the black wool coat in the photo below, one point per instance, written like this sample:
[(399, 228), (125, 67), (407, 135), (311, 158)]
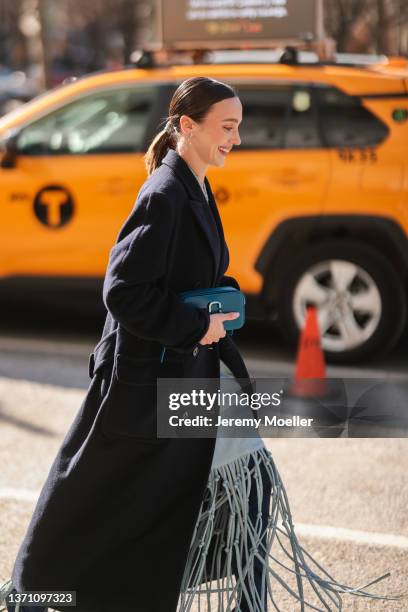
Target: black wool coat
[(117, 512)]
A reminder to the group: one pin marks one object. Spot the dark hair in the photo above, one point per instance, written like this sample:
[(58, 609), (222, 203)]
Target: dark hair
[(194, 98)]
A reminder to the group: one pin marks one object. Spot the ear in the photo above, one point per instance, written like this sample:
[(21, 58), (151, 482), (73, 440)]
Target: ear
[(186, 125)]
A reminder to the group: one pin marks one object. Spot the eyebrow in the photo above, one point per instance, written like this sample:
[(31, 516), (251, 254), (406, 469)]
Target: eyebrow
[(231, 119)]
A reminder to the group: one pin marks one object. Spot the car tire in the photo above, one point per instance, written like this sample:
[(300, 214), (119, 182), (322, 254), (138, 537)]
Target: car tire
[(374, 330)]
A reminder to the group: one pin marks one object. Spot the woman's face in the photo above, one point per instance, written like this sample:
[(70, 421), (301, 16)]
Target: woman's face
[(214, 137)]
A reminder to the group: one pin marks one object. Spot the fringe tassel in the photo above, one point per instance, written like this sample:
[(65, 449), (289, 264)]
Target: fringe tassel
[(223, 526), (5, 590)]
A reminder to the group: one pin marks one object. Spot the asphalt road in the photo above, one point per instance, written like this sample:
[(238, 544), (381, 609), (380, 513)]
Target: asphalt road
[(70, 334), (348, 497)]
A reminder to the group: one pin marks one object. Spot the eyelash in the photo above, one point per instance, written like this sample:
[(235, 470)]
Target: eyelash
[(228, 129)]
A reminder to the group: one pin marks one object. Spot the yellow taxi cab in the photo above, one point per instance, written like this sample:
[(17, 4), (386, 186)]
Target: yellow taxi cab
[(314, 201)]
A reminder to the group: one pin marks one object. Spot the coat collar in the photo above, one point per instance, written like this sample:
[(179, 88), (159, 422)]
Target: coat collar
[(183, 171), (198, 203)]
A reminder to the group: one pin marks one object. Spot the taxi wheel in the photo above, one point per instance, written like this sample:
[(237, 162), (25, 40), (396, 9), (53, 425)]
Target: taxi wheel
[(360, 300)]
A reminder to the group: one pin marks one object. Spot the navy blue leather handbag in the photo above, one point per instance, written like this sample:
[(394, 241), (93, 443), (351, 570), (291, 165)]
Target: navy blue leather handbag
[(215, 300)]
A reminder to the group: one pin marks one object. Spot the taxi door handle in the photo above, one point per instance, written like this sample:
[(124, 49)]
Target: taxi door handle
[(116, 184), (290, 176)]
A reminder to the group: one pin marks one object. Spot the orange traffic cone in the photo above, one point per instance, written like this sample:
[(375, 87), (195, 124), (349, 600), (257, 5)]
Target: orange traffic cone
[(310, 375)]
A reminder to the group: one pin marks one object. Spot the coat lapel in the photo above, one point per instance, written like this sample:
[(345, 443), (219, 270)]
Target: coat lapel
[(224, 256), (198, 205)]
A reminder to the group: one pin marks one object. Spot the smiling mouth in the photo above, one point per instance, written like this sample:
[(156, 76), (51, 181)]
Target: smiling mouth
[(223, 150)]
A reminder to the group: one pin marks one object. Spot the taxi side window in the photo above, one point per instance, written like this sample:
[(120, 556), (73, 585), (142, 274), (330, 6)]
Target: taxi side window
[(278, 117), (345, 122), (110, 121), (302, 129), (265, 111)]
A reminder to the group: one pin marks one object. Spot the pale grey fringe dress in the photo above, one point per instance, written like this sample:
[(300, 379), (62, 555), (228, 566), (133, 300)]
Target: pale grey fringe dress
[(224, 525)]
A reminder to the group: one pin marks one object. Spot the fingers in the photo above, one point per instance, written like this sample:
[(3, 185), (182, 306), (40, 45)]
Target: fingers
[(228, 316), (216, 331)]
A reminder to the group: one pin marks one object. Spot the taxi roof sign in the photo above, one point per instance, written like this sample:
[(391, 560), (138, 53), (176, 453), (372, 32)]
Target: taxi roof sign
[(209, 24)]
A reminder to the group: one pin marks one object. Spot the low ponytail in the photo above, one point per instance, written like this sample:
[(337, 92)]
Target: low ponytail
[(161, 143)]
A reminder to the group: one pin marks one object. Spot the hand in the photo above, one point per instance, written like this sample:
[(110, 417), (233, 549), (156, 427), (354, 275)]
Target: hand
[(216, 329)]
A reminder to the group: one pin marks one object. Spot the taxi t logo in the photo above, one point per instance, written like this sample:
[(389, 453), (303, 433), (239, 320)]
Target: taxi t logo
[(54, 206)]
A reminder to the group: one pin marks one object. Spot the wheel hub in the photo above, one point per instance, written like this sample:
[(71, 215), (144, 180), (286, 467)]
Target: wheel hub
[(347, 300)]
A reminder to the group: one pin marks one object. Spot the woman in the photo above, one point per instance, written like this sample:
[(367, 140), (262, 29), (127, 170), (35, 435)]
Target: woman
[(128, 520)]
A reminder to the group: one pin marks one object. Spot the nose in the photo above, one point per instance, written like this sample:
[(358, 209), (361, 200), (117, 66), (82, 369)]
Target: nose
[(237, 139)]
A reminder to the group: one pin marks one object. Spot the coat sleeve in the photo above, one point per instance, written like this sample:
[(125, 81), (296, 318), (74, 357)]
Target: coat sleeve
[(135, 290)]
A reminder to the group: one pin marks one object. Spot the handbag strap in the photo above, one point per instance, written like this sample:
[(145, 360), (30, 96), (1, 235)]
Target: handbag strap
[(231, 357)]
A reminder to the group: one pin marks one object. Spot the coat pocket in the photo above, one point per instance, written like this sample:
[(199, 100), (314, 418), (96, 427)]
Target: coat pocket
[(129, 408), (146, 370), (136, 371)]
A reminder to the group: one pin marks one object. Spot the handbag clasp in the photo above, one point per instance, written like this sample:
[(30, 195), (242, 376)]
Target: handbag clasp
[(217, 304)]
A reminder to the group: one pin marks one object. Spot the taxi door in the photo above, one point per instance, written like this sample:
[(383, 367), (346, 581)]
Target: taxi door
[(367, 156), (76, 175), (280, 171)]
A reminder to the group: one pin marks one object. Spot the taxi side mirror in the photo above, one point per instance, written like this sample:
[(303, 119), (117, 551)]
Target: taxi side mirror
[(8, 149)]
